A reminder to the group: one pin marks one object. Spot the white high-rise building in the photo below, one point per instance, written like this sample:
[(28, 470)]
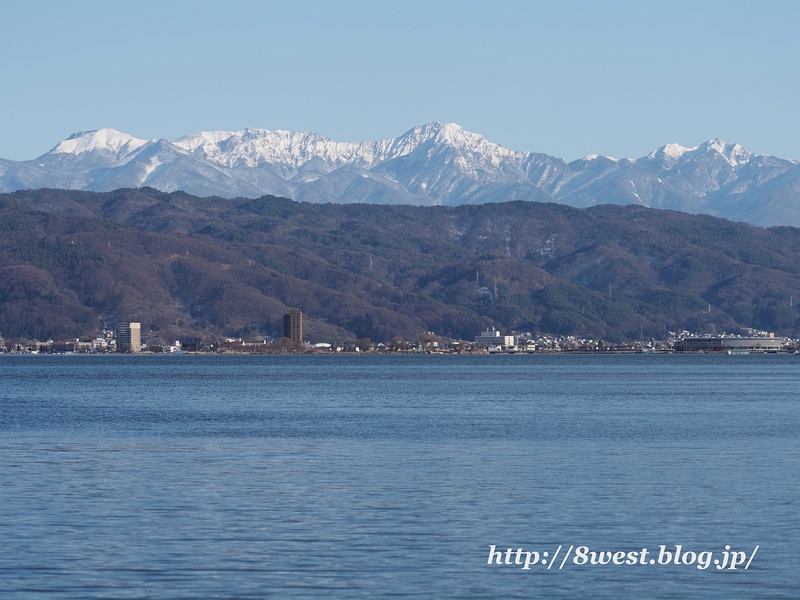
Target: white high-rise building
[(493, 338)]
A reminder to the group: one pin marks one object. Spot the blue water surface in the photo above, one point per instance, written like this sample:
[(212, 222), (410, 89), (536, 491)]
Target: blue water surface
[(390, 476)]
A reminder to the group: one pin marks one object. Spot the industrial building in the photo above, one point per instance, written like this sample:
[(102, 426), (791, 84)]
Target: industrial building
[(725, 344)]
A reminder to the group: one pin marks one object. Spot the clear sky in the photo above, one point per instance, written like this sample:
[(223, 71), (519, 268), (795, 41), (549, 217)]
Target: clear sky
[(564, 78)]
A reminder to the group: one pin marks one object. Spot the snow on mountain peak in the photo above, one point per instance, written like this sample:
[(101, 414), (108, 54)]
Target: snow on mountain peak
[(461, 139), (675, 151), (287, 149), (425, 132), (473, 147), (733, 153), (456, 135), (590, 157), (201, 139), (670, 153), (290, 150), (109, 140), (433, 163)]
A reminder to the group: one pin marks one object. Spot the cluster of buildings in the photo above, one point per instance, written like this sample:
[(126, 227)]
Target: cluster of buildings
[(105, 342), (755, 341), (126, 337), (493, 341), (732, 344)]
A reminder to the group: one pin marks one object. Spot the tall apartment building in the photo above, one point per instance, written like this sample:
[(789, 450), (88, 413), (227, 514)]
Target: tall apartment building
[(293, 326), (129, 337)]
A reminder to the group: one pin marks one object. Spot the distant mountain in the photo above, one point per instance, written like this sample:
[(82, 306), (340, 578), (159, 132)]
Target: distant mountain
[(190, 267), (433, 164)]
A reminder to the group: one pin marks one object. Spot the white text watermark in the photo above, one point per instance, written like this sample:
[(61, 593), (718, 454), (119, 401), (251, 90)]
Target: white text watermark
[(584, 556)]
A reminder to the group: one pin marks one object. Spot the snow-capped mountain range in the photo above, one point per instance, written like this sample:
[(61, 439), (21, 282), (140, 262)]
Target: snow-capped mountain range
[(433, 164)]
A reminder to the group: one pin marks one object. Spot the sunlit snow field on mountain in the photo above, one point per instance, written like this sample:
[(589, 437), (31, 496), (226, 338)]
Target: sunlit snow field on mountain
[(390, 476), (432, 164)]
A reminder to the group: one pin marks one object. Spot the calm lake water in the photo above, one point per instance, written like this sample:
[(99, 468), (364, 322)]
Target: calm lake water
[(375, 476)]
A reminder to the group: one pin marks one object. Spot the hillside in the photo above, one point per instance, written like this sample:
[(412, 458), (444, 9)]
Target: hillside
[(190, 267)]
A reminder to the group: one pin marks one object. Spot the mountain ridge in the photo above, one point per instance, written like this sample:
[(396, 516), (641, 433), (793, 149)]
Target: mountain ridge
[(431, 164)]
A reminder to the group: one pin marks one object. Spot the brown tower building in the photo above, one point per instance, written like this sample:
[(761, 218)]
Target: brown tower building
[(293, 326), (129, 337)]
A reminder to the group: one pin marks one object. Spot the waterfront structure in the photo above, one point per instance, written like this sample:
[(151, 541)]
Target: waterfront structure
[(493, 338), (725, 344), (129, 337), (293, 326)]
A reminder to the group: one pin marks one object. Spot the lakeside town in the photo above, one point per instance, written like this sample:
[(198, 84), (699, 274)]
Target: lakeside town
[(126, 338)]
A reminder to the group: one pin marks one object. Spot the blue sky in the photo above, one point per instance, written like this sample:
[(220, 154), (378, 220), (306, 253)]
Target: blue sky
[(564, 78)]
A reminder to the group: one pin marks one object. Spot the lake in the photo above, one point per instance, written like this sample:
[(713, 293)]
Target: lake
[(375, 476)]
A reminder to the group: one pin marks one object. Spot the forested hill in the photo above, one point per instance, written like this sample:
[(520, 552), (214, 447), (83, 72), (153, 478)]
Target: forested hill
[(189, 267)]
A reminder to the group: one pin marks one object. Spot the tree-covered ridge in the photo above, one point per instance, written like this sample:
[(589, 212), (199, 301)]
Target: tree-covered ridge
[(198, 267)]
